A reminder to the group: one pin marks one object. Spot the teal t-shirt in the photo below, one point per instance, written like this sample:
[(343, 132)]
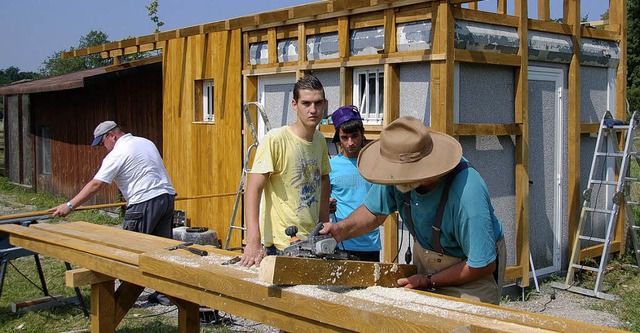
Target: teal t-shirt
[(349, 189), (470, 228)]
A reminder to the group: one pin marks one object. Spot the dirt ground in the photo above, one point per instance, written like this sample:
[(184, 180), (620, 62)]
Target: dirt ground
[(561, 304)]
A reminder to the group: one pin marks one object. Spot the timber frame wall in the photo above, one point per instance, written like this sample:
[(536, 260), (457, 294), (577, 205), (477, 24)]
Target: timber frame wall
[(185, 49)]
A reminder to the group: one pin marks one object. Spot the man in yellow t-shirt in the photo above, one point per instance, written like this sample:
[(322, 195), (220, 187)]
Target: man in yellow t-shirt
[(291, 167)]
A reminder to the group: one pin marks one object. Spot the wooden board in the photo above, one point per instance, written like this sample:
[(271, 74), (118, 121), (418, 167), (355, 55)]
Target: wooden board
[(285, 270)]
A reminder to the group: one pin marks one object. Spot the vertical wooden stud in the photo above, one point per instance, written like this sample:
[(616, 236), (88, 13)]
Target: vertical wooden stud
[(391, 111), (273, 45), (344, 48), (544, 13), (442, 70), (522, 143), (572, 18)]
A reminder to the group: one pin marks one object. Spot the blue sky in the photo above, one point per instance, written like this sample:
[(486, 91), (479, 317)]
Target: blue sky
[(32, 30)]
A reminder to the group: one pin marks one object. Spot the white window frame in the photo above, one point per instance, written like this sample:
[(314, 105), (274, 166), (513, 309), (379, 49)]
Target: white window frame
[(371, 113), (207, 101)]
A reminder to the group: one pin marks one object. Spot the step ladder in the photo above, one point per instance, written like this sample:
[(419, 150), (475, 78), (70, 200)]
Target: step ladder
[(245, 167), (607, 188)]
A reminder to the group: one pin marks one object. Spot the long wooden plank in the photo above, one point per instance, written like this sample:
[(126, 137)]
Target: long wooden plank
[(379, 313), (17, 232), (284, 270), (114, 237), (254, 311)]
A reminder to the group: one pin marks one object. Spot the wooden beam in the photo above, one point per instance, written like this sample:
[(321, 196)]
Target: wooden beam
[(283, 270), (204, 280), (521, 116), (572, 18), (481, 57), (103, 307), (442, 71), (485, 17), (487, 129), (81, 277), (544, 13)]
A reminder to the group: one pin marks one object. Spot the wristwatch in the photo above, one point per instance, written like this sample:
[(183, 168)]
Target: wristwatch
[(430, 285), (70, 205)]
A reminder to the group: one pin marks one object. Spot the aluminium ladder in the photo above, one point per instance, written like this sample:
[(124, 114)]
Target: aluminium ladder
[(245, 166), (609, 170)]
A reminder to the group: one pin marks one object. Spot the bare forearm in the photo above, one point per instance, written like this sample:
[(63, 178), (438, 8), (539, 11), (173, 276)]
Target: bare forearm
[(358, 223), (87, 192), (460, 273)]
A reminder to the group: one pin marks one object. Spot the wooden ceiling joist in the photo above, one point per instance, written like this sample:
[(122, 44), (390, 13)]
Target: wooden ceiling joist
[(293, 15)]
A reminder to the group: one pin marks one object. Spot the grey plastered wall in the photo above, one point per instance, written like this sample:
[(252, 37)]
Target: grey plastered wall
[(330, 79), (542, 131), (593, 105), (486, 95), (277, 101), (415, 91)]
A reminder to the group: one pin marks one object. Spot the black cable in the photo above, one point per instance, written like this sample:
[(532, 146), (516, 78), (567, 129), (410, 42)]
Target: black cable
[(399, 245)]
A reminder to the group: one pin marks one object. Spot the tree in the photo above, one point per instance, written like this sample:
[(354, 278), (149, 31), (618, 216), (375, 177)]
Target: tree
[(10, 75), (54, 65), (153, 14)]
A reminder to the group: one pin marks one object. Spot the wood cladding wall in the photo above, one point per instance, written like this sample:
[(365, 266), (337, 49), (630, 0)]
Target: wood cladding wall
[(204, 158), (132, 101)]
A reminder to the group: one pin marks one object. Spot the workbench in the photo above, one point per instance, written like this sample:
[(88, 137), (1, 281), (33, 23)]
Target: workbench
[(140, 260)]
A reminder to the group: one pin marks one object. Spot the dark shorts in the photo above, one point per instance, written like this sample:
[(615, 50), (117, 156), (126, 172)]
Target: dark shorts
[(153, 217)]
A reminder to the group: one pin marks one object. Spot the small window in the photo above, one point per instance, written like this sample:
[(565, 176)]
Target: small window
[(368, 84), (204, 110), (44, 164)]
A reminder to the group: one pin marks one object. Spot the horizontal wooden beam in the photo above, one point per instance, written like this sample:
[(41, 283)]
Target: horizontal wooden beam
[(81, 277), (487, 129), (589, 128), (596, 250), (285, 270), (480, 57)]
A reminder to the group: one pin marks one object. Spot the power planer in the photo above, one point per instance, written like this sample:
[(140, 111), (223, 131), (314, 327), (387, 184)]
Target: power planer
[(315, 246)]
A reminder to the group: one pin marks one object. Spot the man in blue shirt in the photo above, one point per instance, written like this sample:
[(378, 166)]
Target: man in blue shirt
[(348, 188), (443, 201)]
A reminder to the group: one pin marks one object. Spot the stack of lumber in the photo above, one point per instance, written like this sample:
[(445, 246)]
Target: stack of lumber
[(192, 280)]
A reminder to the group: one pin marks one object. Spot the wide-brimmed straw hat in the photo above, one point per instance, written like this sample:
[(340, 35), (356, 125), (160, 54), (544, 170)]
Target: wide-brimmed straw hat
[(408, 152)]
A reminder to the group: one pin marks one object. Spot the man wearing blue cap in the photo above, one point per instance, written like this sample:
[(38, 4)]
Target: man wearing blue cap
[(134, 163), (348, 188)]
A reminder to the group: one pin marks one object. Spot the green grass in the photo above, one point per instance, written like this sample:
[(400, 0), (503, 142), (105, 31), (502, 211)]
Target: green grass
[(22, 282)]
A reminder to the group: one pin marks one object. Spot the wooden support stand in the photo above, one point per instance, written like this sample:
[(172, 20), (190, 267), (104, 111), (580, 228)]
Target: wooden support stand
[(192, 280)]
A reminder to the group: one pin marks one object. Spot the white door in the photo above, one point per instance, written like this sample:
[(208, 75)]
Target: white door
[(546, 167)]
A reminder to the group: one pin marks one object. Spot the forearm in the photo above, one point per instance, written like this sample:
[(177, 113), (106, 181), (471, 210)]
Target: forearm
[(460, 273), (252, 198), (359, 222), (87, 192)]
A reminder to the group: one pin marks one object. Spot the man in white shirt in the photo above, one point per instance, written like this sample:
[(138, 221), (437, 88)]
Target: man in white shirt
[(134, 163)]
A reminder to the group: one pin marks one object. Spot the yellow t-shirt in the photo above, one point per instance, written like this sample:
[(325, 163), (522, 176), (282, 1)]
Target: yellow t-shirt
[(292, 193)]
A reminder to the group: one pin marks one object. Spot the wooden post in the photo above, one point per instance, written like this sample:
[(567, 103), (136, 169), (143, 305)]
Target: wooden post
[(103, 313), (522, 143), (618, 20), (572, 18), (442, 70)]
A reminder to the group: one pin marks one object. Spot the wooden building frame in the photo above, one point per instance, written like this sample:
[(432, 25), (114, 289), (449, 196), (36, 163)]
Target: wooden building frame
[(222, 51)]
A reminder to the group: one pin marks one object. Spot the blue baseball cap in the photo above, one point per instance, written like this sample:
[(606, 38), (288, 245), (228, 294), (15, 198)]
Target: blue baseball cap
[(342, 115)]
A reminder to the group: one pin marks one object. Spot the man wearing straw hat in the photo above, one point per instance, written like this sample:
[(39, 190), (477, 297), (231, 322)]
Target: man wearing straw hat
[(444, 202)]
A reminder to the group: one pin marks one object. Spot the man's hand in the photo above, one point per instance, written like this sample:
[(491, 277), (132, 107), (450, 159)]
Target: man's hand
[(61, 210), (252, 255), (417, 281), (333, 204), (333, 230)]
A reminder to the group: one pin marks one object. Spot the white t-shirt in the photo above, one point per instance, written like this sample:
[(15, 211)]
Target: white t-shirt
[(137, 168)]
